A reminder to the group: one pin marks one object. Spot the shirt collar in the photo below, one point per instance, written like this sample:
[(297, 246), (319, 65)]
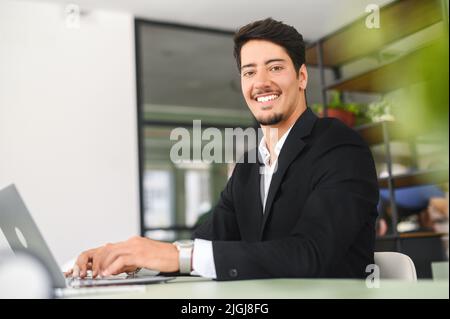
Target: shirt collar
[(264, 152)]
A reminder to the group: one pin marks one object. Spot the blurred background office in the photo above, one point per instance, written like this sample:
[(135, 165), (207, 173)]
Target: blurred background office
[(91, 90)]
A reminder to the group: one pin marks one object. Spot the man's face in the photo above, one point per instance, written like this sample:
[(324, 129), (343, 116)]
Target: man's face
[(269, 82)]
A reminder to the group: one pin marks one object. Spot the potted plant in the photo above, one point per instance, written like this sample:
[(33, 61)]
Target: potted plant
[(380, 110), (348, 113)]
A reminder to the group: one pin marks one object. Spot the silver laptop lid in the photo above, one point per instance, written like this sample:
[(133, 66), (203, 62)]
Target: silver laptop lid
[(22, 233)]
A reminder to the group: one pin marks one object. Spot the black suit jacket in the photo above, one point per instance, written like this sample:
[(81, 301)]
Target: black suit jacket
[(320, 212)]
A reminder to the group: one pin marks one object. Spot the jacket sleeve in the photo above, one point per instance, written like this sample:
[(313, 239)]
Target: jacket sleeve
[(343, 199)]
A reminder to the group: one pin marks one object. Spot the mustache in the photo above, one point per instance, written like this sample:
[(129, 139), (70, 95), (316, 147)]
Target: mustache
[(259, 92)]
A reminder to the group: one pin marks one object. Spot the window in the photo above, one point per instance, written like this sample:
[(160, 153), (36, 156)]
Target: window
[(183, 74)]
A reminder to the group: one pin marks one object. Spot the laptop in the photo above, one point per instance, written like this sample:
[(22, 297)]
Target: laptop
[(23, 234)]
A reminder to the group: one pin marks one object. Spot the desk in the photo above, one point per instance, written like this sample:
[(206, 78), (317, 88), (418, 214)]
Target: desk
[(201, 288)]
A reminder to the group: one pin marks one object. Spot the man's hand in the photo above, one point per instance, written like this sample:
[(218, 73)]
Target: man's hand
[(127, 256)]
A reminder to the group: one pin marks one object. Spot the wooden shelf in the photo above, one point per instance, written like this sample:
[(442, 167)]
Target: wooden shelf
[(373, 133), (412, 235), (400, 22), (356, 40), (389, 76), (438, 176), (421, 235)]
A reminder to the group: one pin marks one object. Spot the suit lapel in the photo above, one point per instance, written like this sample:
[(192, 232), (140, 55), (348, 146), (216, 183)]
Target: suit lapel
[(291, 149)]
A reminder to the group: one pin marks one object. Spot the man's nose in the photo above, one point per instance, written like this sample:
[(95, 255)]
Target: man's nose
[(262, 80)]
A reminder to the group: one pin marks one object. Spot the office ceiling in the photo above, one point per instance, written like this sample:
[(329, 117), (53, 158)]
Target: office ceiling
[(313, 18), (185, 68)]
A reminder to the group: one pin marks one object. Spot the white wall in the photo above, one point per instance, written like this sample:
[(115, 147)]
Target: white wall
[(68, 123)]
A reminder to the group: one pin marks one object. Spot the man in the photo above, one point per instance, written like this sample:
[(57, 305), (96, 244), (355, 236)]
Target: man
[(312, 211)]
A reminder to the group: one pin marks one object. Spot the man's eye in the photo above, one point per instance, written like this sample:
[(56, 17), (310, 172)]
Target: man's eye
[(276, 68), (248, 74)]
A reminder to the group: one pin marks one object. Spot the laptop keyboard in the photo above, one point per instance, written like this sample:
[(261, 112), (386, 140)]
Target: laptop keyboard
[(91, 281)]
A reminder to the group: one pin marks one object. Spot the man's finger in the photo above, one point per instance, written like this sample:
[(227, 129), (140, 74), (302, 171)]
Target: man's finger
[(118, 266), (83, 261), (98, 258), (111, 256), (76, 271), (68, 273), (94, 264)]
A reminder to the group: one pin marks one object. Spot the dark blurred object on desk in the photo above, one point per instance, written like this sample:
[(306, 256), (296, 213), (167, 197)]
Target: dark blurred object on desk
[(422, 225), (419, 208)]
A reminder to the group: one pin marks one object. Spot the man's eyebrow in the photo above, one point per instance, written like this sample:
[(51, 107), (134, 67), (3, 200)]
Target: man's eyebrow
[(248, 65), (267, 62)]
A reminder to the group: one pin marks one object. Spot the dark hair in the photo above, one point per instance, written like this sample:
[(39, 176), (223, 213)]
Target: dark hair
[(273, 31)]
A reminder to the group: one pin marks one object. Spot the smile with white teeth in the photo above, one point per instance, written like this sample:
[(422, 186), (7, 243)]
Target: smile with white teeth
[(267, 98)]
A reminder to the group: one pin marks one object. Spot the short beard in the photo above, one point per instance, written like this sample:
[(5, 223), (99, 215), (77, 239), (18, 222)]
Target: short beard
[(274, 119)]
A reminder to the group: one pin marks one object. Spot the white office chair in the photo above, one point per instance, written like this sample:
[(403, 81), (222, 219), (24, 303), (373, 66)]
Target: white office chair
[(395, 266)]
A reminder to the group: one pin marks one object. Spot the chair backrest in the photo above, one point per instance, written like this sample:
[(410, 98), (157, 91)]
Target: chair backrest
[(395, 265)]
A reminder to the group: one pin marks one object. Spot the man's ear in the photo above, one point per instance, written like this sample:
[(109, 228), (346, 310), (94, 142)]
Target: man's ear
[(303, 77)]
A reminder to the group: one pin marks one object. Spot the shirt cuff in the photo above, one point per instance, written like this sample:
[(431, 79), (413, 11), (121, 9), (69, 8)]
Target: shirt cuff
[(203, 259)]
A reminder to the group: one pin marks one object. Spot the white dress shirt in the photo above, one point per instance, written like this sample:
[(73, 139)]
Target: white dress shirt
[(203, 257)]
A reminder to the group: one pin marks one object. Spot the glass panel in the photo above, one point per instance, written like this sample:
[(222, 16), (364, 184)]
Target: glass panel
[(168, 235), (158, 198), (190, 74), (190, 68), (164, 235), (198, 195), (177, 194)]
